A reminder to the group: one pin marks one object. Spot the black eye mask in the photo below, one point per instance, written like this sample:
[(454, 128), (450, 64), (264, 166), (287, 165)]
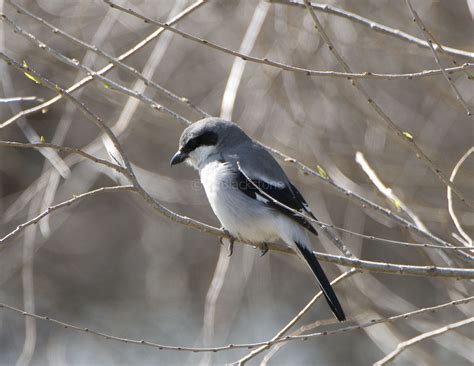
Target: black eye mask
[(208, 138)]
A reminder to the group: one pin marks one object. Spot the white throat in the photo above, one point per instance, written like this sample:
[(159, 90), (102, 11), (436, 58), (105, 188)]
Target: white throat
[(200, 156)]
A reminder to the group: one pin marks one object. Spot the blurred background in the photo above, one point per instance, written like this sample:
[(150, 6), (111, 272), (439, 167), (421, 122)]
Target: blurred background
[(113, 264)]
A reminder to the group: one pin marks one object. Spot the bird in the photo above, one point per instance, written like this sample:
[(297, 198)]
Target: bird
[(250, 193)]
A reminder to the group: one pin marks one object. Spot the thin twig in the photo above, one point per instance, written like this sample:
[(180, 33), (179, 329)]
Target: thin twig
[(275, 348), (109, 82), (387, 192), (466, 238), (111, 59), (306, 337), (238, 66), (377, 27), (108, 67), (293, 321), (363, 265), (69, 202), (21, 99), (95, 119), (266, 61), (72, 150), (404, 345), (389, 122), (426, 35)]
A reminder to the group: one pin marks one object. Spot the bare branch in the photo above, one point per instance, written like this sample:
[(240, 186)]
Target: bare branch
[(266, 61), (238, 346), (426, 35), (389, 122), (387, 192), (110, 66), (21, 99), (293, 321), (111, 59), (109, 82), (72, 150), (95, 119), (69, 202), (377, 27), (404, 345), (466, 238)]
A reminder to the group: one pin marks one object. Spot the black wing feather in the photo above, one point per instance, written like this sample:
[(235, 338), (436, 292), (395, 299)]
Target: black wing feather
[(287, 195)]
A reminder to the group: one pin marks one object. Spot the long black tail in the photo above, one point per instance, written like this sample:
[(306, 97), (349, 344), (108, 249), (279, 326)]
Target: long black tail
[(323, 281)]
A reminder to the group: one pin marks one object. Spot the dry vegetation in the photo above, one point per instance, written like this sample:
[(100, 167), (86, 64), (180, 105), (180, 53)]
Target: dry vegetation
[(368, 106)]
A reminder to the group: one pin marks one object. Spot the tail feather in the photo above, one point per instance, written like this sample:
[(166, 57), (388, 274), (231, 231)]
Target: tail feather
[(323, 281)]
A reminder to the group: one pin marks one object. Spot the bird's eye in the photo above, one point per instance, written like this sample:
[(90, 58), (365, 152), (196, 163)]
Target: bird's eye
[(192, 144)]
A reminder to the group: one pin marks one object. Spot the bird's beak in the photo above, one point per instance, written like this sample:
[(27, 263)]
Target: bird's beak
[(177, 158)]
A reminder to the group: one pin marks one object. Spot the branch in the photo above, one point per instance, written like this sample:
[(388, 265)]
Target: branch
[(404, 345), (279, 65), (426, 35), (236, 346), (109, 82), (466, 238), (399, 269), (377, 27), (95, 119), (403, 137), (110, 66), (293, 321), (111, 59), (387, 192), (72, 150), (21, 99), (69, 202)]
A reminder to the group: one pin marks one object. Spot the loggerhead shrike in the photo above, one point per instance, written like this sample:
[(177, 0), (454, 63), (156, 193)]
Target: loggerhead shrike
[(243, 184)]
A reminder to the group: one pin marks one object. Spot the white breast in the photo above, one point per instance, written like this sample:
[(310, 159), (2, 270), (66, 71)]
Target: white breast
[(242, 216)]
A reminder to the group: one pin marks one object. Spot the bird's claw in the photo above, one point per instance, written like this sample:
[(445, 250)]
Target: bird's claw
[(231, 240), (263, 249), (231, 246)]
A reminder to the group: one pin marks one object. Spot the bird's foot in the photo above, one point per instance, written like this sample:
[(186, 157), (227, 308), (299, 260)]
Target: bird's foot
[(231, 240), (263, 249)]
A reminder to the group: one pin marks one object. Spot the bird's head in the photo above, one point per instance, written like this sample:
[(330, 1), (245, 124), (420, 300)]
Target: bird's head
[(205, 140)]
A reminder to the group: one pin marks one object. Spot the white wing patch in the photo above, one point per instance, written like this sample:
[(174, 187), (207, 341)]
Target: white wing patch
[(261, 198), (271, 182)]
